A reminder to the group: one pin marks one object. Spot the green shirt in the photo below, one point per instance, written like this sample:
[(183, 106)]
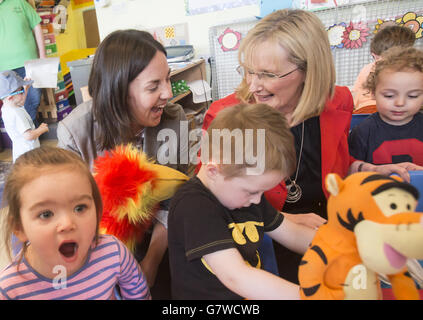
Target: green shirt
[(17, 42)]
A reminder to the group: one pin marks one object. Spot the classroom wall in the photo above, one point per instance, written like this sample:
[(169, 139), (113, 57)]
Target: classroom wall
[(146, 14)]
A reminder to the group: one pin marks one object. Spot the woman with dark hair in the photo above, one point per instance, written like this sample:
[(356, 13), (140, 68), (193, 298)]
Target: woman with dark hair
[(130, 86)]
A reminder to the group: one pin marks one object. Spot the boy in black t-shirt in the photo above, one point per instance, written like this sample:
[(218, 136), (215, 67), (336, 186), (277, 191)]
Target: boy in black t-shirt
[(217, 219), (391, 140)]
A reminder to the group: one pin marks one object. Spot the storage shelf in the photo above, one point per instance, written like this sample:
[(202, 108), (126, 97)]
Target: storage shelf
[(180, 96), (186, 66)]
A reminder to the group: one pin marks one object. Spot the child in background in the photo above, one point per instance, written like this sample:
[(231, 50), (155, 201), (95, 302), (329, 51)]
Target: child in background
[(385, 39), (391, 140), (55, 209), (17, 122), (218, 218)]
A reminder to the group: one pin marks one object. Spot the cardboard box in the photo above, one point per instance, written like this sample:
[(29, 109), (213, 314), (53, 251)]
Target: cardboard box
[(62, 104), (49, 39), (51, 49), (62, 113), (61, 95)]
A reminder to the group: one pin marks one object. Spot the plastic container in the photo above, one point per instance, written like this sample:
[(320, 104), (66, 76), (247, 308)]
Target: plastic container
[(80, 72)]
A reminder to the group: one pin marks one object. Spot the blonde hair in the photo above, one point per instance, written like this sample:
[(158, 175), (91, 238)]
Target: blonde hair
[(304, 37), (32, 165), (279, 150), (395, 59)]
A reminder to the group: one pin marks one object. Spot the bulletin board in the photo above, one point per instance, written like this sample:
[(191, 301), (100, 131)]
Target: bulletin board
[(193, 7), (171, 35), (350, 29), (224, 55)]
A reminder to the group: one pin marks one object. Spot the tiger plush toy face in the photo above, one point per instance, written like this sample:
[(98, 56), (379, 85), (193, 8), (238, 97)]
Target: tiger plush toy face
[(371, 226)]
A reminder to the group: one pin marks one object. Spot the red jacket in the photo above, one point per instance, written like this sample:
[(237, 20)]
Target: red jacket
[(334, 127)]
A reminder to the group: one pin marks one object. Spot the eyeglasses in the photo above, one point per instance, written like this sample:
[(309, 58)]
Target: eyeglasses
[(243, 71), (20, 90)]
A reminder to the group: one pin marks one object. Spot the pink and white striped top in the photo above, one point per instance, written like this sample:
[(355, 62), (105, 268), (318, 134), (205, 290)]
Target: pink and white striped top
[(109, 264)]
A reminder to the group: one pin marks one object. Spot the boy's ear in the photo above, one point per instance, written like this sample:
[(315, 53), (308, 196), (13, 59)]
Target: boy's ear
[(212, 170), (375, 56)]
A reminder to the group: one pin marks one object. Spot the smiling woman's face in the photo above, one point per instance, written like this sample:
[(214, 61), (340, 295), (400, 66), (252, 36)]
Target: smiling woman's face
[(149, 93), (282, 94)]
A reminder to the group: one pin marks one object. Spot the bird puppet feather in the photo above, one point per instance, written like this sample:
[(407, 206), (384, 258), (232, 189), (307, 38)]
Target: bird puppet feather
[(131, 187)]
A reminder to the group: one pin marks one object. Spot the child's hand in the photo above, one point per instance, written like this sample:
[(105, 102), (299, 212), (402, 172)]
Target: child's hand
[(43, 127), (310, 220), (26, 88)]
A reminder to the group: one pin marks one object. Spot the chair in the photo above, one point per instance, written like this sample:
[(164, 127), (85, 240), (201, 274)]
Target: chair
[(416, 179), (267, 255)]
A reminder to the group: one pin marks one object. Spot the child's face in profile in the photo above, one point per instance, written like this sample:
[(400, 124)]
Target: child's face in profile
[(399, 95), (59, 220), (242, 191), (18, 99)]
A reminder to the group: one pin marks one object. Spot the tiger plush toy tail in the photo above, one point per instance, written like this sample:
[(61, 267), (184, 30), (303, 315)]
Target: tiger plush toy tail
[(372, 229)]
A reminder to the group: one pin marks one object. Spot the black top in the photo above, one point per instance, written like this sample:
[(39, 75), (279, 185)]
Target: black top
[(378, 142), (198, 225), (309, 171)]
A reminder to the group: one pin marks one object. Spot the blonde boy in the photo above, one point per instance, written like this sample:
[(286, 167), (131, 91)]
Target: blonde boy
[(217, 219)]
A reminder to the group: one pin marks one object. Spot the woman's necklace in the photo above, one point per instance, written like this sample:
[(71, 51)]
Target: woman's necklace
[(294, 190)]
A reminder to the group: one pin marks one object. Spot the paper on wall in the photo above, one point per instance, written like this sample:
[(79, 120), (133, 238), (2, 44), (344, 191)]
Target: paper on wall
[(201, 91), (43, 72)]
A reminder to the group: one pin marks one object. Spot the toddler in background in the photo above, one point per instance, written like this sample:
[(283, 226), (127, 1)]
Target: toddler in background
[(217, 219), (391, 140), (385, 39), (17, 122), (54, 210)]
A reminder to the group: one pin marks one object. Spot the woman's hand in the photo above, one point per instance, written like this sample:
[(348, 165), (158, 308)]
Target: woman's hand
[(400, 169), (310, 220)]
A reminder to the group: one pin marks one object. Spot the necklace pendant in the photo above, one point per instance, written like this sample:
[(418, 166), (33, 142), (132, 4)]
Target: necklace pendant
[(294, 192)]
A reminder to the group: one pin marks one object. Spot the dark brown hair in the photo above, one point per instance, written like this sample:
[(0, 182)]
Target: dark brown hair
[(392, 36), (119, 59)]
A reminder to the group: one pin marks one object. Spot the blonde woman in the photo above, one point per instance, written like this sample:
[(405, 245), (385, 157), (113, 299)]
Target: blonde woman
[(286, 62)]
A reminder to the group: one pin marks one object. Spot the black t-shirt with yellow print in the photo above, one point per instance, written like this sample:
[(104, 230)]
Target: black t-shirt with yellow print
[(199, 225)]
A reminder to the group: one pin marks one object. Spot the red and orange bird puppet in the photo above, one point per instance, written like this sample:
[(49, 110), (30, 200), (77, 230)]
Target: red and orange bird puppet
[(131, 187)]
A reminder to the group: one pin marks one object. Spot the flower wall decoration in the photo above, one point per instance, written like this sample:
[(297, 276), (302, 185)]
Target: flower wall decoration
[(335, 35), (382, 24), (230, 40), (354, 35), (412, 21)]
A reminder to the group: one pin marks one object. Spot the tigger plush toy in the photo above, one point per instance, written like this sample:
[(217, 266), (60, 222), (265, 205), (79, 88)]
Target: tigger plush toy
[(372, 229)]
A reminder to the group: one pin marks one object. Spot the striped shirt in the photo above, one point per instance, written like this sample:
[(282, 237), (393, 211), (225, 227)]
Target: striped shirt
[(108, 264)]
